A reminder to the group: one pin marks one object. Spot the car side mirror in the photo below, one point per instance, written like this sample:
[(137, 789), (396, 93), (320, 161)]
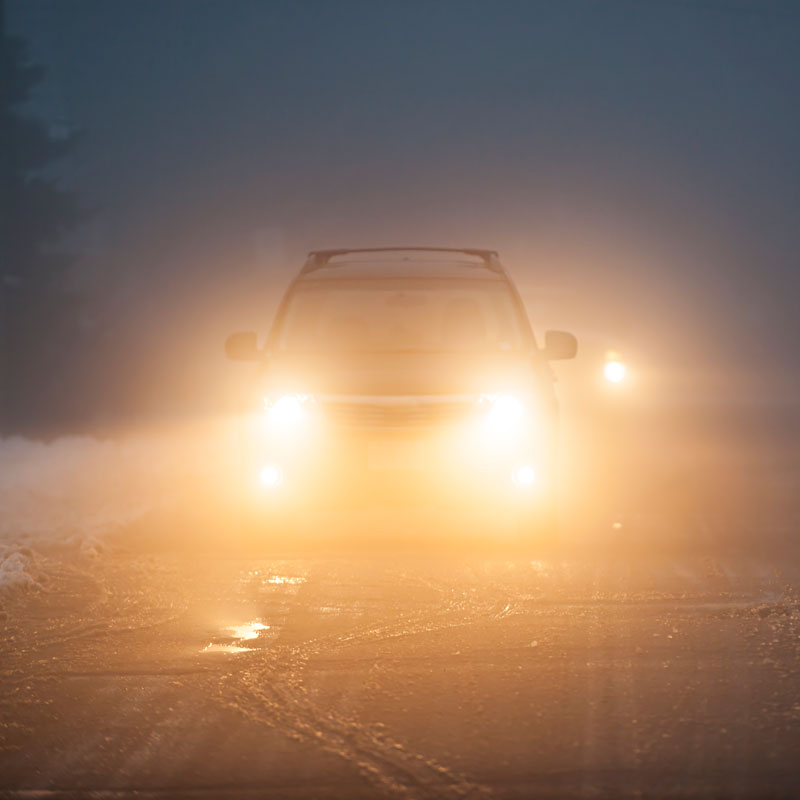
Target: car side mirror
[(559, 345), (242, 346)]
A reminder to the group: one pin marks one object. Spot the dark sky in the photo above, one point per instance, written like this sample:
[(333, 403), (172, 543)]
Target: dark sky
[(645, 153)]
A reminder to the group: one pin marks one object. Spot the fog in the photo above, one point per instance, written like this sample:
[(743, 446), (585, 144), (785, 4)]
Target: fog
[(607, 603), (640, 155), (634, 164)]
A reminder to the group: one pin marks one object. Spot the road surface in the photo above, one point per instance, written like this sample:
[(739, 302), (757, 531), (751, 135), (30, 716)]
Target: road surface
[(404, 676)]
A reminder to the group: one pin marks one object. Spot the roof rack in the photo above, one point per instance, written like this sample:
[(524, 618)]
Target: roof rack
[(317, 259)]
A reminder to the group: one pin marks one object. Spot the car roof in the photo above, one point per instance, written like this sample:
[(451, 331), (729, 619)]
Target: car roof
[(402, 262)]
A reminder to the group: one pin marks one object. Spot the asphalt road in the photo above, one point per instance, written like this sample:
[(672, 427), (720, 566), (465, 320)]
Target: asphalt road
[(402, 676)]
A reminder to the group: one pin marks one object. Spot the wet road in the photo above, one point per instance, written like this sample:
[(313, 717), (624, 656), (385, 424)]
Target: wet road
[(404, 677)]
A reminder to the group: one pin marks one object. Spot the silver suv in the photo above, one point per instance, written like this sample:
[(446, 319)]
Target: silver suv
[(404, 376)]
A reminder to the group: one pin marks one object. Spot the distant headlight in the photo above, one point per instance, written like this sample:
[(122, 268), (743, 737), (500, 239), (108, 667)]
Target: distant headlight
[(288, 410), (505, 412)]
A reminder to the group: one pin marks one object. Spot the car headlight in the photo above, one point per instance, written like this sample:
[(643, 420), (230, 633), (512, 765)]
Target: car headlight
[(288, 410), (271, 476), (505, 413)]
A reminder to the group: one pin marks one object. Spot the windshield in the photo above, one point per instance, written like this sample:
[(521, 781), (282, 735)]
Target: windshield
[(393, 316)]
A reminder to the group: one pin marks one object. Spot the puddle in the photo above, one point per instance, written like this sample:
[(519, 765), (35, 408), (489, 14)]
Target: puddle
[(249, 630), (224, 648), (237, 636), (266, 578), (282, 579)]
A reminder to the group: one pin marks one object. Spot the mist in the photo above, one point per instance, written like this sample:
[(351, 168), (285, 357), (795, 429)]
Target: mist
[(641, 155), (480, 565), (634, 164)]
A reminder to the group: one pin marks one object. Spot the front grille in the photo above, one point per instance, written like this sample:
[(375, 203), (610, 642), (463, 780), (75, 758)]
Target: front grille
[(398, 413)]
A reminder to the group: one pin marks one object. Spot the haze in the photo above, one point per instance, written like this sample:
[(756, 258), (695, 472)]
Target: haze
[(401, 550), (637, 153)]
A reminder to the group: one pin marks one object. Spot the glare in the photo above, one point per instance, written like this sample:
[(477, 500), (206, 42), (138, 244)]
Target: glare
[(286, 411), (524, 475), (249, 630), (271, 476), (215, 647), (615, 371), (505, 414)]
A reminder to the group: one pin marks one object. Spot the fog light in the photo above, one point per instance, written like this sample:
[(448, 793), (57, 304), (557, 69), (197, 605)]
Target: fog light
[(271, 476), (524, 475)]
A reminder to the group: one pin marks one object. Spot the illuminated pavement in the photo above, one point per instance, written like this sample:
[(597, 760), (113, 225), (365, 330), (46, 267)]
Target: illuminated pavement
[(345, 677)]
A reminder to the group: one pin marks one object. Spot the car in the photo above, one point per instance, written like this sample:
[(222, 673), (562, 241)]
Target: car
[(404, 377)]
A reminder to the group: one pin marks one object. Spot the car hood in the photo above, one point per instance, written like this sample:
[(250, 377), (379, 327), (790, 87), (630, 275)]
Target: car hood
[(400, 374)]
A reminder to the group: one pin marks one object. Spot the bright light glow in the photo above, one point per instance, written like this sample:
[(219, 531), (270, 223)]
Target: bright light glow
[(615, 371), (506, 412), (281, 579), (239, 633), (287, 411), (249, 630), (214, 647), (524, 475), (271, 476)]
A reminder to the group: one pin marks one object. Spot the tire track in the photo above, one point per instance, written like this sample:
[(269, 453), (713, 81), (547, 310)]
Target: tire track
[(273, 693)]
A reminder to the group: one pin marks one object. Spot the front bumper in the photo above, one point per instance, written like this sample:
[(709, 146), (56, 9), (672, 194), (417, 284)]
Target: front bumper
[(334, 466)]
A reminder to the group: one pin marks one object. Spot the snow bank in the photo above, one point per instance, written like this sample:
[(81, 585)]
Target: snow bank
[(52, 492), (63, 494), (17, 570), (72, 493)]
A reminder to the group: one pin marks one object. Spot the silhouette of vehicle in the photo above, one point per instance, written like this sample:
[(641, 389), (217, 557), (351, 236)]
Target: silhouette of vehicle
[(404, 376)]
